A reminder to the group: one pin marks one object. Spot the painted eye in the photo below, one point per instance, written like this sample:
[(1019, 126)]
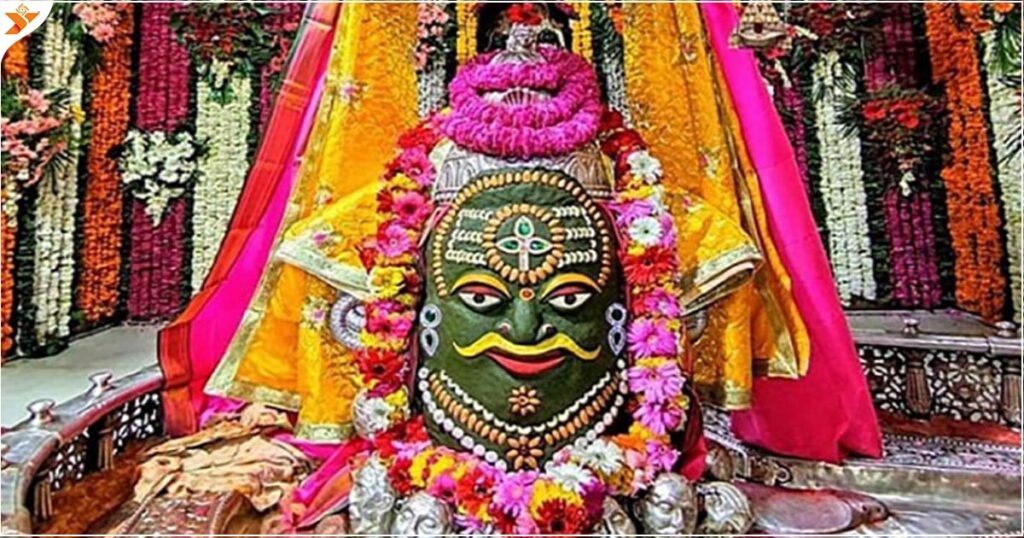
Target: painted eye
[(480, 298), (570, 301)]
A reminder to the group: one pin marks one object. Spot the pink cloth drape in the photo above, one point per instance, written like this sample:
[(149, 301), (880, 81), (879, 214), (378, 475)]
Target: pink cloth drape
[(828, 413), (192, 346)]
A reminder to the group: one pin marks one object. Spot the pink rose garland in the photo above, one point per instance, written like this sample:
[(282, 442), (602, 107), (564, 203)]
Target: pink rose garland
[(558, 126), (157, 256)]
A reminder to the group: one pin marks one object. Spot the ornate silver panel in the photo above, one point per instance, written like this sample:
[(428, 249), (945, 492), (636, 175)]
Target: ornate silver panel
[(886, 372)]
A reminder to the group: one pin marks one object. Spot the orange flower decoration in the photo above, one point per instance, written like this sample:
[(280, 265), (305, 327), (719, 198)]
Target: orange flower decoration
[(102, 205), (973, 210)]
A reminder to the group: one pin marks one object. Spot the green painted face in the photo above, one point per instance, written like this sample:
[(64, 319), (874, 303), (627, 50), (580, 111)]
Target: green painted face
[(522, 332)]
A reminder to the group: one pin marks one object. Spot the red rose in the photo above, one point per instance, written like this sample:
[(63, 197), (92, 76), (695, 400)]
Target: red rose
[(367, 251), (610, 120), (398, 473)]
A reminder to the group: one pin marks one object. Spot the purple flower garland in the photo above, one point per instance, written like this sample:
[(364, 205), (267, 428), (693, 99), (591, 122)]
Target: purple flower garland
[(157, 255), (908, 219)]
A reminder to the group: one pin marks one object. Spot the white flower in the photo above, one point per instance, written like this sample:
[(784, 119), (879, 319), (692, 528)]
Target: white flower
[(603, 456), (646, 230), (570, 476), (643, 165)]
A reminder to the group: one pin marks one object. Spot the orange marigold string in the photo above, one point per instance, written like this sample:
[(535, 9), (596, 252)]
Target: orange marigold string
[(15, 61), (7, 234), (102, 205), (974, 221)]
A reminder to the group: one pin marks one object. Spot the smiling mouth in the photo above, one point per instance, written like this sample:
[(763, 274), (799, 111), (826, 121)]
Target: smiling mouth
[(527, 366)]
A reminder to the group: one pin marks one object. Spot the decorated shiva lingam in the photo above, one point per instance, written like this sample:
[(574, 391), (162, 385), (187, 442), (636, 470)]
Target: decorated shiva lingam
[(549, 382)]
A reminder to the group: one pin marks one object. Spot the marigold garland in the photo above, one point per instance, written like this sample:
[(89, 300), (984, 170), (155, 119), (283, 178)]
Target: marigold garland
[(972, 207), (8, 233), (99, 287), (465, 44), (15, 62), (582, 39)]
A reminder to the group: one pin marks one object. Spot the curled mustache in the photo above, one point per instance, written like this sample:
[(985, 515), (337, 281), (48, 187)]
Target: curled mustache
[(497, 342)]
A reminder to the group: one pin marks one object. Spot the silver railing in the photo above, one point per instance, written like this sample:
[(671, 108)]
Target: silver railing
[(58, 444), (941, 364)]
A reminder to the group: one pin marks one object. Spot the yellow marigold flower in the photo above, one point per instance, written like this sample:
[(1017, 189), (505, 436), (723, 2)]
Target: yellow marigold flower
[(640, 431), (444, 463), (402, 181), (635, 250), (386, 282), (621, 483), (417, 476), (398, 397), (545, 490), (77, 114)]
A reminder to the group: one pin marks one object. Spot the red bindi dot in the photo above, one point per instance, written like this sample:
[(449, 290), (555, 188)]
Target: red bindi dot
[(526, 294)]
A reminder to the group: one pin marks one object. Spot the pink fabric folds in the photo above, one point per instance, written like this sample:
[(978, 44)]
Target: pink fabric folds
[(192, 346), (828, 413)]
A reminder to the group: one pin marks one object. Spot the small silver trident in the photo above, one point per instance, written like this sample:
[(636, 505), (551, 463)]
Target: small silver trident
[(524, 243)]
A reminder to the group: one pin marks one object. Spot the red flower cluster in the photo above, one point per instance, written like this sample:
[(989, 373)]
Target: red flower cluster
[(524, 13), (646, 268), (906, 111), (560, 518), (900, 123), (618, 141)]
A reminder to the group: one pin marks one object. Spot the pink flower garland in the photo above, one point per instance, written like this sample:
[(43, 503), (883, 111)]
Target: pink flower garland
[(558, 126), (157, 255), (908, 219), (571, 491)]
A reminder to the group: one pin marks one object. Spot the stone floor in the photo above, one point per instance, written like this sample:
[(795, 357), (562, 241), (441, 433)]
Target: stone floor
[(122, 350)]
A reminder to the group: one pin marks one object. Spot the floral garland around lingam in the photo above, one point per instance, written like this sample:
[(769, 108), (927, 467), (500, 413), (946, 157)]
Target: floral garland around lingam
[(158, 167), (568, 495)]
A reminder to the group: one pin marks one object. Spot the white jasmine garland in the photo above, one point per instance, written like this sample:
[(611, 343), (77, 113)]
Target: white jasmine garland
[(52, 293), (158, 168), (224, 129), (1005, 111), (842, 184)]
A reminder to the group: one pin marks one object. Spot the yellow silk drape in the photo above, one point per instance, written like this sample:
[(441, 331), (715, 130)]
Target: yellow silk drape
[(284, 354), (678, 102)]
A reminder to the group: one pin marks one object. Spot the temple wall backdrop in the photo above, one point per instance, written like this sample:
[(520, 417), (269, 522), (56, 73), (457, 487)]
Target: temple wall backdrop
[(905, 120)]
